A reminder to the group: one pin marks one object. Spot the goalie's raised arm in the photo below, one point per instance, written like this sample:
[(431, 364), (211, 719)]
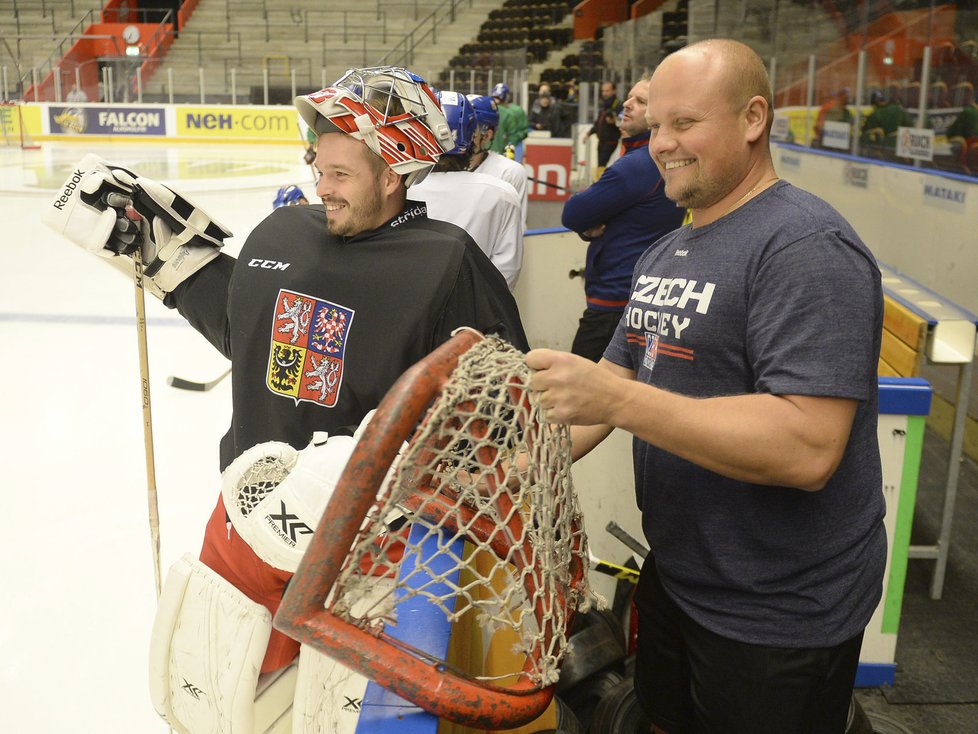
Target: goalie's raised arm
[(94, 209)]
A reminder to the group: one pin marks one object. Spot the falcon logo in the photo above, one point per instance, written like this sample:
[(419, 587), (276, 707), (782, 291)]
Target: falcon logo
[(192, 689), (352, 704), (287, 525)]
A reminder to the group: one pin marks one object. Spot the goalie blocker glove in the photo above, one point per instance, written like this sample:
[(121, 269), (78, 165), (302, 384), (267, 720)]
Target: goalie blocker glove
[(176, 238)]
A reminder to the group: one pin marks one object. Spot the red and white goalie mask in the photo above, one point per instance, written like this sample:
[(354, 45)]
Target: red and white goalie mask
[(390, 109)]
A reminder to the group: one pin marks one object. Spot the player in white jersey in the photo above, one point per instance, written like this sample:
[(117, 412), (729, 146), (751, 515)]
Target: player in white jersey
[(485, 206), (484, 159)]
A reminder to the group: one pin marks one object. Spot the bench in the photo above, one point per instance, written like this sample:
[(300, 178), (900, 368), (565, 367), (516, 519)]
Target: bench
[(922, 328)]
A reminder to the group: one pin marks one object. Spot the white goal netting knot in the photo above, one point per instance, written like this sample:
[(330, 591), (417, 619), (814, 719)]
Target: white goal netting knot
[(489, 481)]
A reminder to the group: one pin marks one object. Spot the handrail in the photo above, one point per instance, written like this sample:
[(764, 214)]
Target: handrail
[(235, 41), (59, 52), (380, 15), (227, 10), (364, 37), (33, 22), (410, 40)]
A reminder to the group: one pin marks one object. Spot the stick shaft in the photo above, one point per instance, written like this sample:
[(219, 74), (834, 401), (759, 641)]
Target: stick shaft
[(546, 183), (182, 384), (154, 512), (625, 537)]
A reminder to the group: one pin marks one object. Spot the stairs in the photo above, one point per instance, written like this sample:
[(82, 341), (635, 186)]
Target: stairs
[(306, 42), (31, 32)]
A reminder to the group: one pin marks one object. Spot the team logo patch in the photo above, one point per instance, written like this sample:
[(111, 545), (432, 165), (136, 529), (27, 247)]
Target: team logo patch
[(309, 339), (651, 350)]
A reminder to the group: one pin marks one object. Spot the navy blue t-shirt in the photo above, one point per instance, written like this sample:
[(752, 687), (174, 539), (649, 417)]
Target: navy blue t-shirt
[(780, 296)]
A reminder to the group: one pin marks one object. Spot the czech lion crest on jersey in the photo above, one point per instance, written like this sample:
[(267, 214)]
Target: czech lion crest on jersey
[(309, 336)]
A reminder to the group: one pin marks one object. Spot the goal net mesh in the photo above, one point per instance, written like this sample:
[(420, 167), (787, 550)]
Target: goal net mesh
[(497, 536)]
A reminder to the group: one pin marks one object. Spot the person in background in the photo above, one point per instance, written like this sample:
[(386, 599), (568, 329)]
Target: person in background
[(76, 94), (485, 160), (745, 368), (290, 195), (880, 126), (606, 125), (836, 109), (542, 89), (620, 215), (963, 131), (485, 206), (572, 95), (513, 125), (549, 117)]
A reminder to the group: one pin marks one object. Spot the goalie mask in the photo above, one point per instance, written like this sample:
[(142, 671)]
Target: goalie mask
[(275, 495), (390, 109)]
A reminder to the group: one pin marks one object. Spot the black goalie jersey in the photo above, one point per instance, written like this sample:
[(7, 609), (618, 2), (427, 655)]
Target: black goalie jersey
[(318, 327)]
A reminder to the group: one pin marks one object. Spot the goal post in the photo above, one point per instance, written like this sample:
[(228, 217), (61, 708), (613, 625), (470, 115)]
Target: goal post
[(14, 130), (460, 454)]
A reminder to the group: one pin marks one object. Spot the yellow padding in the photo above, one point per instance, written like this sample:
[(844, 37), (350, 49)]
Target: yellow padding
[(904, 341)]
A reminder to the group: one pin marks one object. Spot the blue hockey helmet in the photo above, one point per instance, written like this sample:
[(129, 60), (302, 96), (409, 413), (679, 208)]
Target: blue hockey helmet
[(500, 91), (461, 120), (486, 110), (288, 196)]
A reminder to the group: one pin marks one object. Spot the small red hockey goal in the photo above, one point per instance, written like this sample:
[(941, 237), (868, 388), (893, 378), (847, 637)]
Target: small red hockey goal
[(14, 131)]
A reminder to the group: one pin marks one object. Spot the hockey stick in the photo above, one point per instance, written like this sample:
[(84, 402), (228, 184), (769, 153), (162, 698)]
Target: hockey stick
[(154, 512), (546, 183), (182, 384), (613, 569), (627, 538)]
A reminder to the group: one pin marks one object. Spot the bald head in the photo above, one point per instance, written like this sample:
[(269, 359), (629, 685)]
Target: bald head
[(732, 69), (710, 118)]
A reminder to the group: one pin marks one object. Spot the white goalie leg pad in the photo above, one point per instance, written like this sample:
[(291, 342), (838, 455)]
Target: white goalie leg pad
[(206, 652), (328, 695)]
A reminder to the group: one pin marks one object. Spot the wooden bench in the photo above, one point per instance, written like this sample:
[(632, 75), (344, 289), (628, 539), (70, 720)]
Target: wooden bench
[(903, 350), (920, 328)]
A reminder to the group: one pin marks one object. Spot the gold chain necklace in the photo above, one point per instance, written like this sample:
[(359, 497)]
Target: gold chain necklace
[(748, 195)]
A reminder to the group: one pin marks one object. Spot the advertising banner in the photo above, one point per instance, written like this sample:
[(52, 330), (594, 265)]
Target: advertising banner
[(548, 163), (916, 143), (237, 123), (114, 120)]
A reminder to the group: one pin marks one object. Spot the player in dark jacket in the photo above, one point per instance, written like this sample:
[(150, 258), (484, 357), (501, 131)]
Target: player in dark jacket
[(621, 214)]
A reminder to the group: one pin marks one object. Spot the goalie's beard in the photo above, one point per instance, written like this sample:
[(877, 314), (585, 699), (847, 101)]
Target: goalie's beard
[(355, 218)]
